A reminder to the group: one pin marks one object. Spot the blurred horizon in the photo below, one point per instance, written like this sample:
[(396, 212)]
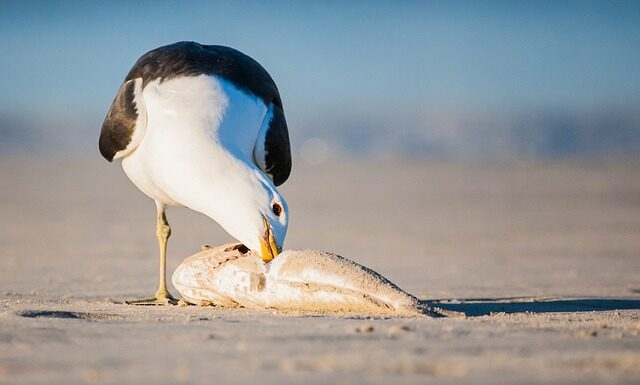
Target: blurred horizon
[(419, 79)]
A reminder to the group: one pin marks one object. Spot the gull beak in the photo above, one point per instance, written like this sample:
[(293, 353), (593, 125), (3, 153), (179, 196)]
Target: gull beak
[(268, 246)]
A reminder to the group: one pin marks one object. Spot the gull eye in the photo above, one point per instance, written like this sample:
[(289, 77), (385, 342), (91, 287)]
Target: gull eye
[(277, 209)]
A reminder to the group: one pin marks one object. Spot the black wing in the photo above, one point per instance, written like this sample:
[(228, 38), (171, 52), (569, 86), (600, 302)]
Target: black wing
[(272, 152), (125, 116)]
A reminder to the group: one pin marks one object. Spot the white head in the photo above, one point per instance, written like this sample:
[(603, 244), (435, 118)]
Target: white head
[(248, 206)]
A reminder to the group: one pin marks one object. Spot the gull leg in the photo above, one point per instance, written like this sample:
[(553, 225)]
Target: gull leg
[(163, 231)]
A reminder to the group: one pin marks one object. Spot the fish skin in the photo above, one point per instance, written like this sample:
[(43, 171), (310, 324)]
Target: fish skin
[(296, 281)]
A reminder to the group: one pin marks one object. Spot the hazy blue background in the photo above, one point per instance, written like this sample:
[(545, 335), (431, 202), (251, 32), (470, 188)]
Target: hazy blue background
[(435, 79)]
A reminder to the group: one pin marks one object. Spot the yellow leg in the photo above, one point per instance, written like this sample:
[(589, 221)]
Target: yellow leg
[(162, 296)]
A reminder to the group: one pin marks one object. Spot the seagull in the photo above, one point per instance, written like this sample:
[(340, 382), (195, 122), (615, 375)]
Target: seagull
[(203, 127)]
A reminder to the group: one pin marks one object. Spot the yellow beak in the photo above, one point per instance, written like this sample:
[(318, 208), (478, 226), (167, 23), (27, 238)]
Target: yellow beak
[(268, 247)]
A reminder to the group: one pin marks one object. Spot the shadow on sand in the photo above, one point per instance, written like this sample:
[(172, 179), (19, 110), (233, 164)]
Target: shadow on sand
[(473, 307)]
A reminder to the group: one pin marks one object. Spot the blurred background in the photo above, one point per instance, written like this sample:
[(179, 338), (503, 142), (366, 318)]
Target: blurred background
[(466, 150), (459, 148), (444, 79)]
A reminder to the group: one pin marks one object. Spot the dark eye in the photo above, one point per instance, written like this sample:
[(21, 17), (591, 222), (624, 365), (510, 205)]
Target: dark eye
[(277, 209)]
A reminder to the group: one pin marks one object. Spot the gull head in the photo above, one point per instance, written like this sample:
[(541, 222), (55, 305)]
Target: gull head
[(250, 208)]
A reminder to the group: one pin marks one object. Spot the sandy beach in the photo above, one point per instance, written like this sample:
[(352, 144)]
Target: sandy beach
[(543, 257)]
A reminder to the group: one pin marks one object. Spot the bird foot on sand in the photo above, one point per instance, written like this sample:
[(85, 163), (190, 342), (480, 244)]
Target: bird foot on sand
[(161, 299)]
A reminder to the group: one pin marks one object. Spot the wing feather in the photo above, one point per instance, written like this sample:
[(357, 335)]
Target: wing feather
[(124, 126), (272, 151)]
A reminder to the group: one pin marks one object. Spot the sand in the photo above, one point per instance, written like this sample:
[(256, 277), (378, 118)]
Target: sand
[(542, 257)]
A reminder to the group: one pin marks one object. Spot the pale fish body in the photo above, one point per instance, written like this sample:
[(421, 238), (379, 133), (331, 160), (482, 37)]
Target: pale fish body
[(297, 280)]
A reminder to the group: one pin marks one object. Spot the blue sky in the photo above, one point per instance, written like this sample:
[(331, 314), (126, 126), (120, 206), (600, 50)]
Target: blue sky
[(360, 61)]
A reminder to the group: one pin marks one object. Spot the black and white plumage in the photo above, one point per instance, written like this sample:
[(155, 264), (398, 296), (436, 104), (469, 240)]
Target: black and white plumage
[(203, 127), (189, 59)]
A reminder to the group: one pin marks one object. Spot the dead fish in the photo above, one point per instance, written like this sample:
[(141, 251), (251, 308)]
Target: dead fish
[(297, 280)]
